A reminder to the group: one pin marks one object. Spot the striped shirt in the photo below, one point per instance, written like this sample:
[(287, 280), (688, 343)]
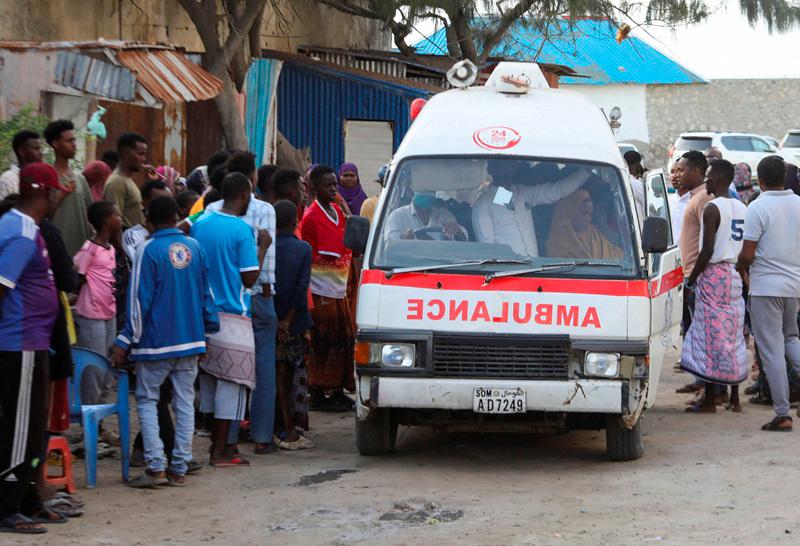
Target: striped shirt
[(29, 307)]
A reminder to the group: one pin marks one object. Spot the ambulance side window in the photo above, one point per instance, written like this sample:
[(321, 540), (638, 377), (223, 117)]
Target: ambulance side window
[(656, 203)]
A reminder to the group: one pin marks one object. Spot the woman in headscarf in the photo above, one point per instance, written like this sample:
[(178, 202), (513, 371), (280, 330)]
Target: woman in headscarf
[(572, 233), (743, 180), (169, 175), (96, 174), (350, 187)]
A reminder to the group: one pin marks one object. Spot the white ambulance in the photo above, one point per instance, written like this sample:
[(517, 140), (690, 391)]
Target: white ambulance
[(506, 283)]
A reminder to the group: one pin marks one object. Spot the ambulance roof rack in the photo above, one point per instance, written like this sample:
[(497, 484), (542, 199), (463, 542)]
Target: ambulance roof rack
[(517, 78)]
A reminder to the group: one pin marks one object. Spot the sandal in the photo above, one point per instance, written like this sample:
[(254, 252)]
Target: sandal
[(148, 480), (301, 443), (779, 424), (236, 460), (72, 499), (174, 479), (48, 515), (752, 389), (63, 507), (701, 408), (265, 449), (17, 523), (760, 400), (735, 408)]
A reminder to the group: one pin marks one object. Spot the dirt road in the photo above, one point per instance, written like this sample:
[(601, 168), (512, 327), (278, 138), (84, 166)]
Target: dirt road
[(704, 479)]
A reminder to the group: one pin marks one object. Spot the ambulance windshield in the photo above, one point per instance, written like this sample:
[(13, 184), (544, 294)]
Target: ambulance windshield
[(505, 214)]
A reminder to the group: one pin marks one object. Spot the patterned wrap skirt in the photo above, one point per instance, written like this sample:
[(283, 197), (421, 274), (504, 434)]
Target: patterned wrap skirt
[(714, 347), (330, 365)]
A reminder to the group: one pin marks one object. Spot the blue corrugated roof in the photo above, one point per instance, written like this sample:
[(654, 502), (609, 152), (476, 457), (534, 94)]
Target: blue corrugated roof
[(588, 47)]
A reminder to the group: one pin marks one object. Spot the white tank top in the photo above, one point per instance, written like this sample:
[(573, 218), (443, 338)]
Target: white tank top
[(730, 234)]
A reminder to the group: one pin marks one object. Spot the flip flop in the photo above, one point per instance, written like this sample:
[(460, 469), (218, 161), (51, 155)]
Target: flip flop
[(233, 461), (72, 499), (63, 507), (698, 408), (10, 525), (45, 515), (774, 425)]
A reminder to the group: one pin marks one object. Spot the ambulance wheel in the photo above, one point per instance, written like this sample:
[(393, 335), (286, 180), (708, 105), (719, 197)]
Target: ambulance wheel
[(376, 434), (622, 443)]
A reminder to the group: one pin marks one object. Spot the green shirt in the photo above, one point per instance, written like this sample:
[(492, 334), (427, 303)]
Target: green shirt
[(71, 217), (123, 192)]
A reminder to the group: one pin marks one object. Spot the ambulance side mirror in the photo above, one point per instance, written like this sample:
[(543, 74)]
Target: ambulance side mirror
[(655, 235), (356, 233)]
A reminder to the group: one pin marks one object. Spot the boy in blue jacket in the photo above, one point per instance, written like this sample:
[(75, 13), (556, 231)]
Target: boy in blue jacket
[(170, 273), (292, 277)]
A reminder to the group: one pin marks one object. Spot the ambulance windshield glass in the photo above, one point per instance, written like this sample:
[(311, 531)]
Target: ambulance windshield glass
[(506, 213)]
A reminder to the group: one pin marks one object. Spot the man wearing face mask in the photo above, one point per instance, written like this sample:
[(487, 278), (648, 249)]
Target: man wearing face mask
[(423, 212), (503, 214)]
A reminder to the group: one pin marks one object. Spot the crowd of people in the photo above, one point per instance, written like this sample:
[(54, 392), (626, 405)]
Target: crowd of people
[(230, 295), (741, 262), (233, 283)]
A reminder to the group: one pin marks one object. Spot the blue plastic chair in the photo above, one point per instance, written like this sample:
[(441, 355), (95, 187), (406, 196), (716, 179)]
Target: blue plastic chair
[(90, 416)]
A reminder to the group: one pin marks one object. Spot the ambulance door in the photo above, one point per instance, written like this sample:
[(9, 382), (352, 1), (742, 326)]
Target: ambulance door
[(665, 287)]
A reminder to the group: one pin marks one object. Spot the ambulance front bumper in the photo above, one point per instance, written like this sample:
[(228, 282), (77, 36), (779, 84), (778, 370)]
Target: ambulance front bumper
[(572, 396)]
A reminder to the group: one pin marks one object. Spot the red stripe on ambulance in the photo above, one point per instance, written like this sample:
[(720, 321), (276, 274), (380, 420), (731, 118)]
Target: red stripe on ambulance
[(591, 287)]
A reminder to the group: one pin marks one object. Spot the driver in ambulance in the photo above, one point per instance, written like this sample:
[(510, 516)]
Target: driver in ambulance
[(423, 213)]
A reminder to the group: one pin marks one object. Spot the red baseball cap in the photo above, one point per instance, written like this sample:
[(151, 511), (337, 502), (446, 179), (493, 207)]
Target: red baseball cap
[(38, 176)]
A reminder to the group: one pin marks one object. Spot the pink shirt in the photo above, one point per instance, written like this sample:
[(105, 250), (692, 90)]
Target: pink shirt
[(97, 264)]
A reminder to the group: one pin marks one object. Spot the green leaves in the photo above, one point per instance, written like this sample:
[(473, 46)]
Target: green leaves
[(26, 118)]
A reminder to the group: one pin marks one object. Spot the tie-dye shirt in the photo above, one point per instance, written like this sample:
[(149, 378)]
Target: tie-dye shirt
[(330, 265)]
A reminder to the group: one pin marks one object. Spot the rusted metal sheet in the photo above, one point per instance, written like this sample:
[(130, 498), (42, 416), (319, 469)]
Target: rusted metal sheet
[(121, 117), (170, 76), (94, 76), (203, 133), (175, 136)]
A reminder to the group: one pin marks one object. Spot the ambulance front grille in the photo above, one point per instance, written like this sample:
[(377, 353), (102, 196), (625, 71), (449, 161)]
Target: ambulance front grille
[(464, 356)]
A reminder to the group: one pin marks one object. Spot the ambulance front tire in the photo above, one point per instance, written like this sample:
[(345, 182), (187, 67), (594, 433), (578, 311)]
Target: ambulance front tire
[(376, 435), (622, 443)]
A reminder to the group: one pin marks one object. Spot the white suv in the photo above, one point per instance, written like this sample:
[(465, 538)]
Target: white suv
[(735, 147), (790, 147)]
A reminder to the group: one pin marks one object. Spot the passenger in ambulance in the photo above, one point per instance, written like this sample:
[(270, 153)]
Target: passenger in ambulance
[(424, 218), (504, 213), (574, 235)]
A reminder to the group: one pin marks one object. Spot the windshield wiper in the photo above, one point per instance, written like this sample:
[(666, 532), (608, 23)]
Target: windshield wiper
[(419, 268), (549, 267)]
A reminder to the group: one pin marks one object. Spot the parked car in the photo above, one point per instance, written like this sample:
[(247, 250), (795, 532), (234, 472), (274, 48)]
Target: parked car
[(772, 141), (735, 147), (790, 147)]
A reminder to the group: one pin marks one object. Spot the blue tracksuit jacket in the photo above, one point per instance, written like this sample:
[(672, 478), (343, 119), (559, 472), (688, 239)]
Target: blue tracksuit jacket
[(170, 304)]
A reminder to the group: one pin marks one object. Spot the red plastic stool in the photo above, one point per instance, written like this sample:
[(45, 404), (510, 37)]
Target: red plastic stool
[(59, 444)]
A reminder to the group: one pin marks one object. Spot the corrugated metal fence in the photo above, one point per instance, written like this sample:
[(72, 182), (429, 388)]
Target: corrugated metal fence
[(314, 102)]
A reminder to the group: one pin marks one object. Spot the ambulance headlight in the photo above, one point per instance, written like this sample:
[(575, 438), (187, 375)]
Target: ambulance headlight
[(601, 364), (397, 355)]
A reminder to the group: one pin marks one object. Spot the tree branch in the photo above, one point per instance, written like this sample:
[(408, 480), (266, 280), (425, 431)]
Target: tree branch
[(203, 16), (239, 30), (350, 9), (506, 20)]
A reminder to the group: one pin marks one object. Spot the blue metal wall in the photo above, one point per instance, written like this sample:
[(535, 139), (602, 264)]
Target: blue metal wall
[(314, 102), (259, 84)]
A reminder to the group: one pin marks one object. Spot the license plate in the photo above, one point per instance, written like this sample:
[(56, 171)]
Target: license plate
[(499, 400)]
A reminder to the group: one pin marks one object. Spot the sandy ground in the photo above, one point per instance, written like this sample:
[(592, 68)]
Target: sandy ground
[(704, 479)]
